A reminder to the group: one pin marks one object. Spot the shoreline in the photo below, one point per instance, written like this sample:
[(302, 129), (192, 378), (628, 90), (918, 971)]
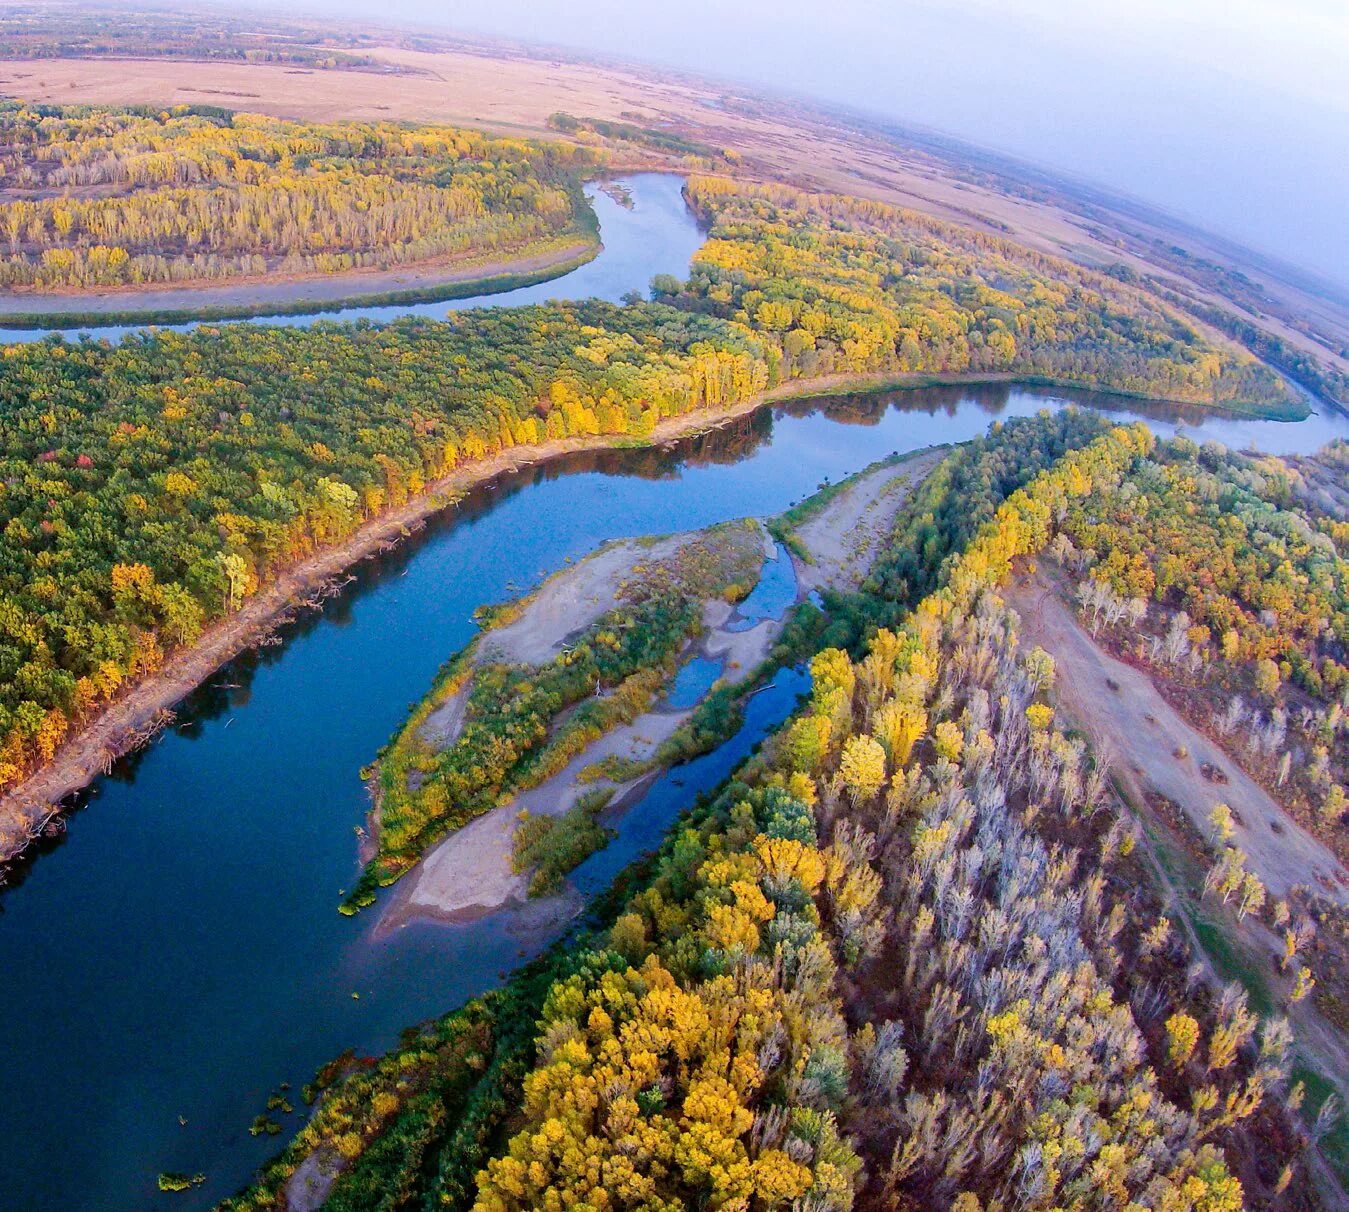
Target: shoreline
[(35, 805), (324, 293)]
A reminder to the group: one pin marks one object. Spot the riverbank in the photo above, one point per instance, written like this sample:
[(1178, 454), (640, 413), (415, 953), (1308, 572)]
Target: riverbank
[(309, 295), (32, 806)]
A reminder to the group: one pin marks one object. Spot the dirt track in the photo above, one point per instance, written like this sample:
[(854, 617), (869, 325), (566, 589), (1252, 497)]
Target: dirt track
[(1139, 732)]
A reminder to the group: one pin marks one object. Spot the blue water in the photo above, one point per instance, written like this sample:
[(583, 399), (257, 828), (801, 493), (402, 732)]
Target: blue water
[(656, 235), (775, 591), (642, 827), (692, 682)]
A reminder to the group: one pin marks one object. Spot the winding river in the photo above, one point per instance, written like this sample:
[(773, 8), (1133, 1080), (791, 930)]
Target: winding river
[(177, 954), (657, 234)]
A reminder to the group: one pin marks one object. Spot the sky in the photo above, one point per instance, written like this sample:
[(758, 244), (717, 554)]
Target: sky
[(1231, 113)]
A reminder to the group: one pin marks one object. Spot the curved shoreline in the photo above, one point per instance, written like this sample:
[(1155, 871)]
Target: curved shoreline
[(310, 295), (125, 724)]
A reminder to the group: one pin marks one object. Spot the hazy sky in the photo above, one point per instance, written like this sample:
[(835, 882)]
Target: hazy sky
[(1234, 113)]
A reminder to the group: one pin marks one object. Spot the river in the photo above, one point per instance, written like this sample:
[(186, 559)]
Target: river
[(655, 235), (178, 952)]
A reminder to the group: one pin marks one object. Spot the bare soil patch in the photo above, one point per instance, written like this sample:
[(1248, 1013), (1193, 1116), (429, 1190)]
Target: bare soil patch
[(1138, 731), (843, 538), (573, 599)]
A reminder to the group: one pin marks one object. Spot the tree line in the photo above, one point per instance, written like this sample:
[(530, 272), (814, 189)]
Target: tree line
[(117, 197)]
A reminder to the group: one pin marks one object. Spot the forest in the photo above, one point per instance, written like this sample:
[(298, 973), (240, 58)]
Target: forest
[(150, 487), (1205, 560), (909, 957), (94, 198), (847, 286)]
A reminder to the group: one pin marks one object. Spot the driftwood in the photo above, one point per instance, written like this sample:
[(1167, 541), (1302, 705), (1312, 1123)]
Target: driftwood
[(136, 738), (48, 820)]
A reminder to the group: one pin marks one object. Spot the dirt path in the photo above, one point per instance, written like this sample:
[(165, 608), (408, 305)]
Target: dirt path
[(844, 537), (1139, 732), (256, 294)]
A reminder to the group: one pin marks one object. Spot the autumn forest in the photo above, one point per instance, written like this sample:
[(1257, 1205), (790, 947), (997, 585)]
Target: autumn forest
[(941, 940)]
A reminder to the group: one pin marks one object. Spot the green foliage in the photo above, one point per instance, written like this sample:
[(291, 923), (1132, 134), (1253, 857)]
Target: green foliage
[(552, 846), (796, 979), (187, 196), (1238, 591)]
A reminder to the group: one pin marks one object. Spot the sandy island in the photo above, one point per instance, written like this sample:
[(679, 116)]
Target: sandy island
[(468, 874)]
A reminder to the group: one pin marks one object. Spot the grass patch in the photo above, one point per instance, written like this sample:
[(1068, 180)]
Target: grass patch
[(554, 846)]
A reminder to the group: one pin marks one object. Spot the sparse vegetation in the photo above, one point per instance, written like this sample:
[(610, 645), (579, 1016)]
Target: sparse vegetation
[(551, 846)]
